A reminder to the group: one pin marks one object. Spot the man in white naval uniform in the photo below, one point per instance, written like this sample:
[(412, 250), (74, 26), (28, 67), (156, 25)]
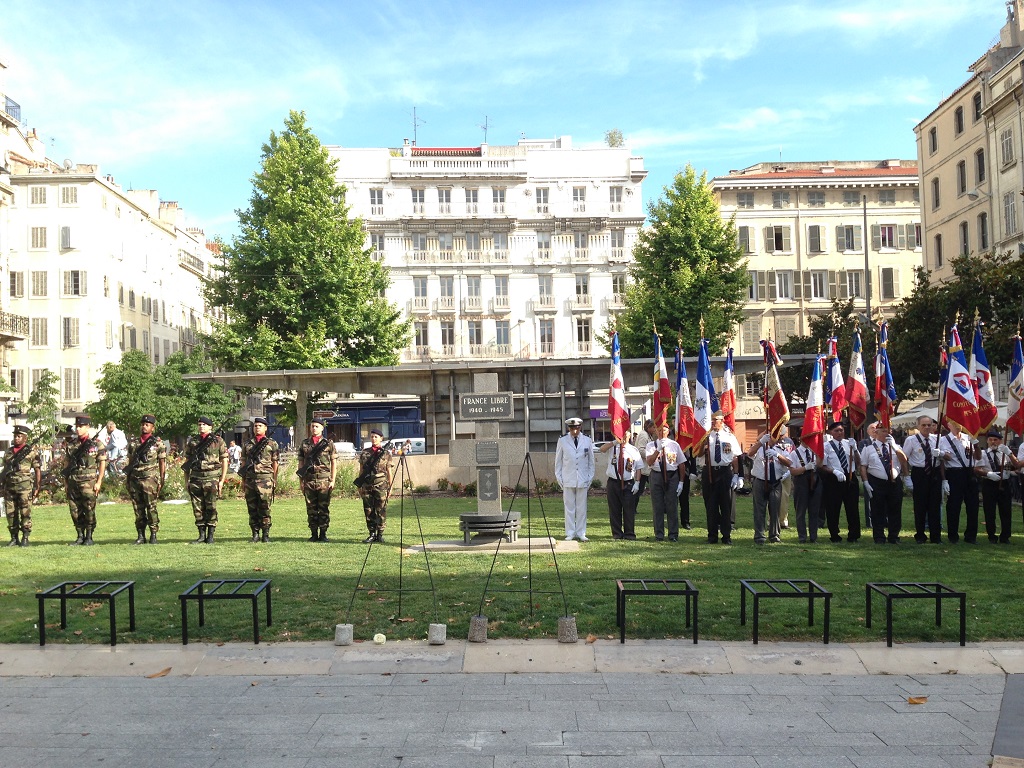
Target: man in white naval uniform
[(574, 471)]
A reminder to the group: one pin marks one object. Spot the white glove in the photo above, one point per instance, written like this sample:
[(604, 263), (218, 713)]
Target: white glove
[(940, 455), (1005, 451), (763, 440), (679, 489), (770, 454), (785, 476), (993, 476), (636, 487), (839, 475), (908, 483), (868, 493), (737, 483), (945, 487)]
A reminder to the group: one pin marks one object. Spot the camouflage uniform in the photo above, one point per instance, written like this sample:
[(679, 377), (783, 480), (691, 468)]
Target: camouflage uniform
[(144, 483), (204, 479), (259, 483), (375, 493), (316, 487), (19, 489), (83, 457)]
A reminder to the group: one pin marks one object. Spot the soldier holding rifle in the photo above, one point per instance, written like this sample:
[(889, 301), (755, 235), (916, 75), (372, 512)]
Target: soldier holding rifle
[(259, 478), (317, 470), (205, 467), (19, 482), (144, 476), (85, 460)]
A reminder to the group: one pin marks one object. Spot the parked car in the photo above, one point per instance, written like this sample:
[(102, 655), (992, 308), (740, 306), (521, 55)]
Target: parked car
[(416, 445), (345, 450)]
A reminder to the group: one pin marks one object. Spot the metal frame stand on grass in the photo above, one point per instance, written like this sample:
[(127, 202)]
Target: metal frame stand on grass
[(478, 624), (401, 475)]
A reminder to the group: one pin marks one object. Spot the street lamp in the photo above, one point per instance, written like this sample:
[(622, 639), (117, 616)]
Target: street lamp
[(519, 337)]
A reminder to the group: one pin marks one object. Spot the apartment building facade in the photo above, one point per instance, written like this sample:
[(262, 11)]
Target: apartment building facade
[(500, 252)]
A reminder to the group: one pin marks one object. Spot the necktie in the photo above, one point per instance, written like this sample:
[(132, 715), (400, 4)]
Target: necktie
[(771, 466), (718, 450), (837, 447), (664, 467), (621, 462), (887, 461), (576, 442), (928, 455)]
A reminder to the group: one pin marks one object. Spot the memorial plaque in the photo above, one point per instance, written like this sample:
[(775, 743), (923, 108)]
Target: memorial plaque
[(487, 452), (486, 406), (488, 485)]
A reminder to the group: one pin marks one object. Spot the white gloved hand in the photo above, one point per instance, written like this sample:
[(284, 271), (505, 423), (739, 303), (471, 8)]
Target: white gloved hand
[(993, 476), (945, 487), (839, 475), (1005, 451), (868, 493), (785, 476), (636, 487), (908, 483), (679, 489), (763, 439), (770, 454), (737, 483)]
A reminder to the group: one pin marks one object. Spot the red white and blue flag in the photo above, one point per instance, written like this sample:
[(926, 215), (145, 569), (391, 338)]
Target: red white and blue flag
[(835, 387), (856, 385), (704, 404), (961, 396), (982, 376), (662, 400), (727, 400), (684, 407), (775, 404), (885, 389), (813, 433), (1015, 404), (618, 414), (943, 379)]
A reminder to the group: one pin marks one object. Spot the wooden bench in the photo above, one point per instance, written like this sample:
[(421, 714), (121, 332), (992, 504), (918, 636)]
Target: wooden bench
[(904, 590), (626, 587), (799, 589), (210, 589), (87, 590)]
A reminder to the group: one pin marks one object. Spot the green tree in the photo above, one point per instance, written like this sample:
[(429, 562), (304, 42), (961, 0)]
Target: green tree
[(614, 138), (134, 387), (42, 410), (687, 265), (298, 287)]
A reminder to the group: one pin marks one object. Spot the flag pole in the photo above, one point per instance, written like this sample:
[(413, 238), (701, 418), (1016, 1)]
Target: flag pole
[(942, 393)]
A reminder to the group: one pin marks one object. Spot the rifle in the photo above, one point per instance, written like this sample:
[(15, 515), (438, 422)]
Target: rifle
[(75, 461), (317, 450), (368, 471), (254, 457), (138, 456), (192, 464)]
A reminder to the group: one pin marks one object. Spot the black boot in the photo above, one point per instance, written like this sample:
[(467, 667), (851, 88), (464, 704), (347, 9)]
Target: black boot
[(209, 533), (266, 533), (313, 535), (201, 538), (255, 535), (323, 535), (88, 537), (14, 539), (142, 535), (152, 536), (371, 538), (81, 536), (379, 536), (24, 539)]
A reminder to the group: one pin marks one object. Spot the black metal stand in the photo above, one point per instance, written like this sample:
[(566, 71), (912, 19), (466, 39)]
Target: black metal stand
[(401, 475), (531, 482)]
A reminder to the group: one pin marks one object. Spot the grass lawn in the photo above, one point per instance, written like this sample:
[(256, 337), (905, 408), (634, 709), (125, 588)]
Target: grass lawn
[(313, 584)]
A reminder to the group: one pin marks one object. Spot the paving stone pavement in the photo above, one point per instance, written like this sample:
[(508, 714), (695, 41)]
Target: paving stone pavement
[(666, 704)]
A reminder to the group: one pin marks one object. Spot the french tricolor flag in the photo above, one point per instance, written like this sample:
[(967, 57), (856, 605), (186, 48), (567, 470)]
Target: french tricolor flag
[(727, 400), (1015, 405), (982, 376), (813, 433), (775, 404), (835, 387), (961, 398), (703, 406), (617, 411), (684, 407), (662, 400), (856, 385), (885, 388)]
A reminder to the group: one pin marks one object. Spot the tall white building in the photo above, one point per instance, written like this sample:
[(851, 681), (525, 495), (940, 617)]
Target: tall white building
[(500, 251)]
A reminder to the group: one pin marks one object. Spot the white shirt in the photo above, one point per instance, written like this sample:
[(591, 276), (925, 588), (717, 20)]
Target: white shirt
[(848, 447), (960, 449), (914, 446), (803, 457), (642, 439), (998, 460), (871, 459), (730, 448), (632, 461), (766, 460), (574, 464), (673, 456)]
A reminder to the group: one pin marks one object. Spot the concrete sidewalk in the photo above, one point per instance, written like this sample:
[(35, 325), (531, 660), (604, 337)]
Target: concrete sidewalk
[(512, 703)]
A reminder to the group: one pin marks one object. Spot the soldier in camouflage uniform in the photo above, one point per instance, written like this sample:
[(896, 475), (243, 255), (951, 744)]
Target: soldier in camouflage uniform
[(144, 476), (375, 468), (85, 461), (206, 467), (21, 477), (317, 468), (259, 478)]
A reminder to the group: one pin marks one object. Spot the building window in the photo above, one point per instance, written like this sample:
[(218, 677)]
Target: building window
[(579, 199), (444, 201), (419, 197), (419, 292), (979, 166), (376, 202), (40, 284), (69, 332), (546, 332), (472, 200), (502, 336), (917, 236), (544, 245), (446, 242), (961, 178), (17, 284), (615, 199), (583, 288), (937, 256), (501, 286), (935, 193), (744, 199), (750, 336), (816, 238), (74, 283), (1006, 146), (69, 195), (982, 231), (38, 237), (977, 106), (855, 283), (1010, 213), (816, 199), (777, 239), (958, 121), (498, 199), (109, 335), (933, 141), (753, 292), (120, 294), (887, 197), (886, 237), (131, 298), (167, 349), (819, 285), (421, 337), (473, 286), (851, 199), (619, 284), (848, 237), (780, 199), (581, 245), (541, 193), (890, 283), (746, 239), (501, 246), (965, 239), (475, 335), (785, 328), (618, 243), (18, 382), (448, 337), (377, 245), (39, 332), (37, 195), (583, 339), (545, 287), (72, 383), (784, 285)]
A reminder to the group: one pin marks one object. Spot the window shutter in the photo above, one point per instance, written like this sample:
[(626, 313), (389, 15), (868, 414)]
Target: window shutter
[(822, 239), (858, 242), (901, 236), (844, 285), (81, 274), (895, 282), (876, 237), (65, 238), (797, 287), (808, 293), (773, 288), (785, 240), (833, 284), (840, 238), (813, 239), (762, 285), (769, 239)]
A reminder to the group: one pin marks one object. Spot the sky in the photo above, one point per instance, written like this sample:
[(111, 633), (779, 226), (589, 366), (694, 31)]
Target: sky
[(180, 97)]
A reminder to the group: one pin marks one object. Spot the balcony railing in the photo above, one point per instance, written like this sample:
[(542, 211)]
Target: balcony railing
[(500, 304), (13, 326), (376, 210), (584, 347), (420, 304), (547, 348), (542, 207), (12, 108), (581, 302), (192, 263), (471, 208), (474, 255), (472, 304), (444, 208), (499, 255), (446, 256), (499, 208), (543, 254), (445, 304), (579, 206), (615, 207), (545, 302), (617, 254), (419, 208), (448, 350), (580, 254)]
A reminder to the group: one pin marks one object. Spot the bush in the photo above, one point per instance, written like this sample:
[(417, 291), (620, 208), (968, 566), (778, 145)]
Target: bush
[(421, 489), (470, 489), (442, 484), (457, 488)]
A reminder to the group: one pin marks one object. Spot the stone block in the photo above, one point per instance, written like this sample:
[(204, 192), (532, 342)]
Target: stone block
[(343, 634), (437, 634), (478, 629), (567, 629)]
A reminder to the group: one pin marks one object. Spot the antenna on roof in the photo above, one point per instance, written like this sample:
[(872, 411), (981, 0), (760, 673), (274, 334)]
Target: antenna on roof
[(416, 122), (485, 125)]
